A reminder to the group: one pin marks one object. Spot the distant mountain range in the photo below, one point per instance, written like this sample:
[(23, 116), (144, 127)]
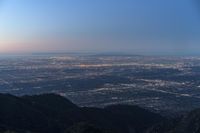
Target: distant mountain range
[(50, 113)]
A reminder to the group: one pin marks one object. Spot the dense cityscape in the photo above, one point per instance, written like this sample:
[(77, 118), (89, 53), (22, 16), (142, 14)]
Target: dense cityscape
[(167, 84)]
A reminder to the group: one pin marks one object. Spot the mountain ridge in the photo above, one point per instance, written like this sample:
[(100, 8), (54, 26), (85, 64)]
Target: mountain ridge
[(55, 114), (51, 113)]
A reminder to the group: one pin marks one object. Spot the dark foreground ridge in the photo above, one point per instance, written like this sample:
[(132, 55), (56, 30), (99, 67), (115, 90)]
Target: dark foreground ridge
[(50, 113)]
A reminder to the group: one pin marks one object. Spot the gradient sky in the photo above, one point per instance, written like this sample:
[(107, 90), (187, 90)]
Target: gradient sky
[(133, 26)]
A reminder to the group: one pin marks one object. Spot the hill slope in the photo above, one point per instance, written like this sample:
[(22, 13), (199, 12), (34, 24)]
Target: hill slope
[(54, 114)]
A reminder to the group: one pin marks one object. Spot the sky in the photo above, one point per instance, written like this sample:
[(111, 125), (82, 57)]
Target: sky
[(128, 26)]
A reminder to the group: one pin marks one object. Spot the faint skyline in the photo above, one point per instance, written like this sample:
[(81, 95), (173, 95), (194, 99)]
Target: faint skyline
[(132, 26)]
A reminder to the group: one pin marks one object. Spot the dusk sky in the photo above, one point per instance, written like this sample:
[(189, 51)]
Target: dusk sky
[(132, 26)]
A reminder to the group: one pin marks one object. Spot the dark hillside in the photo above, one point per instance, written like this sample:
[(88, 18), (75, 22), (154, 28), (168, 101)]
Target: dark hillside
[(54, 114)]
